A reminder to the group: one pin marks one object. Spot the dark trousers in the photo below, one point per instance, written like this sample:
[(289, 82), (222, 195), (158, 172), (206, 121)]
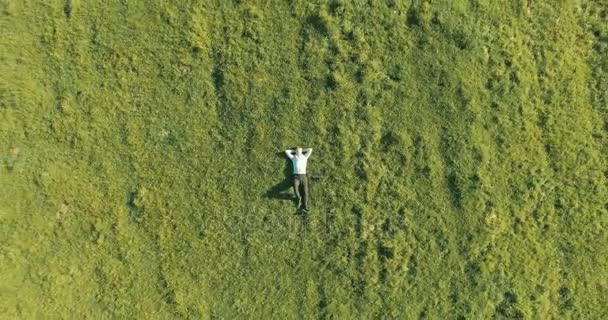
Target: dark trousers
[(300, 180)]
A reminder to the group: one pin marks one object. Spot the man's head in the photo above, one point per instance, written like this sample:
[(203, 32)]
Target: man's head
[(298, 150)]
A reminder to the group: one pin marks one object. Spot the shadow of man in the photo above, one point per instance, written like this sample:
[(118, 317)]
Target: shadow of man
[(278, 190)]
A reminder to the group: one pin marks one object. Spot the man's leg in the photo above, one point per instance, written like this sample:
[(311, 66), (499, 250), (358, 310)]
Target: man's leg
[(306, 194), (296, 189)]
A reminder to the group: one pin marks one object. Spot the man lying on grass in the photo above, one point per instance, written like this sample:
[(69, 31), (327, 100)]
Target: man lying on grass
[(299, 160)]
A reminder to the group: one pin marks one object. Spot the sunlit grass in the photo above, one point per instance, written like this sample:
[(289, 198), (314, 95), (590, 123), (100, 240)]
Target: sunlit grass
[(460, 159)]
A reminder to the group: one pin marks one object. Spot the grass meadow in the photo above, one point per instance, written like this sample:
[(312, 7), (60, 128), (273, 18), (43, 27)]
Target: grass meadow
[(460, 159)]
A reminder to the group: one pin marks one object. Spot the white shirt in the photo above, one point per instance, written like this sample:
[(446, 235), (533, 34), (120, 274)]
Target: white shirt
[(299, 161)]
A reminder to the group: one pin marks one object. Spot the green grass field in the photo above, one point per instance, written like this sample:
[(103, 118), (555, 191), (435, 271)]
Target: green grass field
[(461, 148)]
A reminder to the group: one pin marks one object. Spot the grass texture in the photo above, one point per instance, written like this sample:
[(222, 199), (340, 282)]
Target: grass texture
[(460, 148)]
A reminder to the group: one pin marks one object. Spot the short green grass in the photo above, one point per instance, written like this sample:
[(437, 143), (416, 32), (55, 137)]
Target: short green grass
[(461, 148)]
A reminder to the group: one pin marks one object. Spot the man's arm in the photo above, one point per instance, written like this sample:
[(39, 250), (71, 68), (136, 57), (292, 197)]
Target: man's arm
[(288, 153), (308, 151)]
